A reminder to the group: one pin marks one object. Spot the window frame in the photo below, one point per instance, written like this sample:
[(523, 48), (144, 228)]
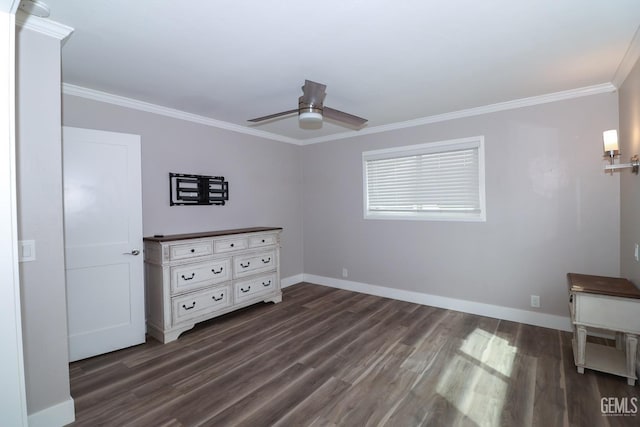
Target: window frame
[(428, 148)]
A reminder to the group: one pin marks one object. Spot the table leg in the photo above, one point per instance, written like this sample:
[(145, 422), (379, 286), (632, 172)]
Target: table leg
[(581, 338), (620, 341), (632, 348)]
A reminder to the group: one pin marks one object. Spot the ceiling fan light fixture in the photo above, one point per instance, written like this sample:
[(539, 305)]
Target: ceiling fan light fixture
[(310, 117), (310, 120)]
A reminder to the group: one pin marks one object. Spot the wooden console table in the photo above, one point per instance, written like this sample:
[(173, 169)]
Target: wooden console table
[(605, 303)]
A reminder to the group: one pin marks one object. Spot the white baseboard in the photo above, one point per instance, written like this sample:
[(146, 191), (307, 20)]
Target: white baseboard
[(496, 311), (57, 415), (291, 280)]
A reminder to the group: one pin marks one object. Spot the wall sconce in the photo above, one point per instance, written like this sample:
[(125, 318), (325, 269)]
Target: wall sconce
[(611, 149)]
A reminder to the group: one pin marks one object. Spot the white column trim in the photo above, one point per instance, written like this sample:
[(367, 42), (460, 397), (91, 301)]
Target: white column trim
[(60, 414), (13, 399), (44, 26)]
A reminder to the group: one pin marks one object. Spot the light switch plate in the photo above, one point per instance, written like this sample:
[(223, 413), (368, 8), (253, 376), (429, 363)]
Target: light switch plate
[(26, 250)]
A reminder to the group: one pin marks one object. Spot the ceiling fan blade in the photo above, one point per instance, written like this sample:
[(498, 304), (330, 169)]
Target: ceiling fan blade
[(313, 93), (272, 116), (341, 116)]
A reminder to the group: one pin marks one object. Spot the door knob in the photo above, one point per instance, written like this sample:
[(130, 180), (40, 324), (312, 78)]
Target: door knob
[(133, 252)]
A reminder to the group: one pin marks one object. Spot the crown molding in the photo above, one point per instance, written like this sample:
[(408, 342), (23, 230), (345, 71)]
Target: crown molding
[(122, 101), (96, 95), (42, 25), (477, 111), (628, 61)]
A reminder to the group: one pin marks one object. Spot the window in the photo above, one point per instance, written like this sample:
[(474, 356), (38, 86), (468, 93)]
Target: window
[(436, 181)]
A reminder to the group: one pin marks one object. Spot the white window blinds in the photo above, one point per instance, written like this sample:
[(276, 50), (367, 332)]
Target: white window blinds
[(428, 181)]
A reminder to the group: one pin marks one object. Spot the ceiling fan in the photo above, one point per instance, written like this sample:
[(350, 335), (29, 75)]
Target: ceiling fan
[(311, 109)]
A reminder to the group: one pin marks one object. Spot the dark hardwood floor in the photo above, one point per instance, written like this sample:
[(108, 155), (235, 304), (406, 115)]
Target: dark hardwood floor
[(327, 357)]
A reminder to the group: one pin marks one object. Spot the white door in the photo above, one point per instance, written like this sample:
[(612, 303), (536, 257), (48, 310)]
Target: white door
[(103, 241)]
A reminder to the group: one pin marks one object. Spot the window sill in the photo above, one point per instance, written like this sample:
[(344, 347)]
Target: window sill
[(426, 216)]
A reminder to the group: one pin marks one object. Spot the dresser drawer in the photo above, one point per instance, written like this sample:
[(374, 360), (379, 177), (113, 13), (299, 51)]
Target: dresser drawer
[(246, 265), (199, 304), (248, 289), (607, 312), (190, 250), (193, 276), (265, 240), (230, 245)]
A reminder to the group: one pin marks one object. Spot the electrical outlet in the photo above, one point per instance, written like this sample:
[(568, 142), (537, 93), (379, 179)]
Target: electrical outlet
[(345, 273), (535, 301)]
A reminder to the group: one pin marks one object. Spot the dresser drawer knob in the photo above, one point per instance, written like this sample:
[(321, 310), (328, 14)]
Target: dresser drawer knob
[(189, 308), (193, 250), (262, 240), (245, 266), (188, 278), (243, 290), (232, 245), (267, 261), (213, 270), (218, 299), (266, 284)]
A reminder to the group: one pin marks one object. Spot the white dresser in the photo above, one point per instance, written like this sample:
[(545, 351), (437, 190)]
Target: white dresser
[(609, 303), (194, 277)]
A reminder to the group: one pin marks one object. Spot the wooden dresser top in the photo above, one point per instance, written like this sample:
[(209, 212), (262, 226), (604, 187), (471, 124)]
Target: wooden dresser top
[(170, 237), (612, 286)]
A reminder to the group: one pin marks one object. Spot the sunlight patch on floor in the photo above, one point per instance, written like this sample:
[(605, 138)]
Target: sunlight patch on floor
[(490, 350), (475, 381)]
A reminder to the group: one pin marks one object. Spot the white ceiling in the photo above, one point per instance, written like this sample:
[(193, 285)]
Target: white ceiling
[(386, 61)]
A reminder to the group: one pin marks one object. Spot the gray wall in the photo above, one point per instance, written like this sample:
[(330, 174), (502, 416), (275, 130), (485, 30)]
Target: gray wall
[(39, 182), (550, 210), (629, 135), (263, 175)]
